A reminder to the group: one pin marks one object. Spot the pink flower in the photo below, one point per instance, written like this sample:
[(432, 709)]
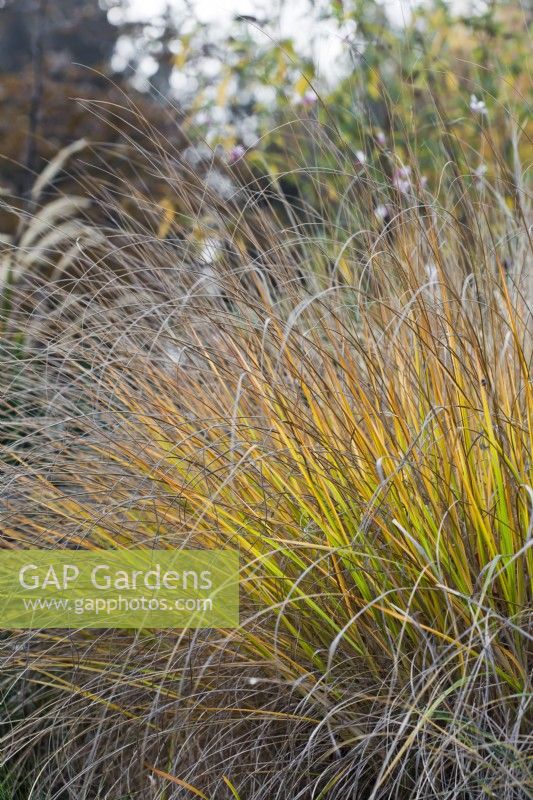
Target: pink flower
[(401, 179), (381, 139), (236, 153), (309, 99)]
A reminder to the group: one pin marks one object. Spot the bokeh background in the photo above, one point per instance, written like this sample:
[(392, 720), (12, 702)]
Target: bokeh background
[(231, 74)]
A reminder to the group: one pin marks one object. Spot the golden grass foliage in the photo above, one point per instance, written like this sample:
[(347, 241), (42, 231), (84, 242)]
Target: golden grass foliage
[(351, 408)]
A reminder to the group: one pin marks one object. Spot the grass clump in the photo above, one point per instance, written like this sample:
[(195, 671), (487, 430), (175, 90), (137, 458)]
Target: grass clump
[(341, 392)]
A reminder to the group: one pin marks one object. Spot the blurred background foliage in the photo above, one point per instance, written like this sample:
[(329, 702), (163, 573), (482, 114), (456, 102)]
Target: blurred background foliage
[(253, 94)]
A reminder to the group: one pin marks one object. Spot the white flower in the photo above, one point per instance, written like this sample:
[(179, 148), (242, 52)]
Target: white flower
[(360, 156), (479, 175), (477, 106), (220, 184), (211, 250), (252, 681), (381, 211)]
